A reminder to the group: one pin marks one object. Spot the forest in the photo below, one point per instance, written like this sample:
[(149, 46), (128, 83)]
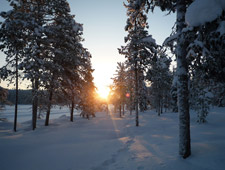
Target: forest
[(43, 44)]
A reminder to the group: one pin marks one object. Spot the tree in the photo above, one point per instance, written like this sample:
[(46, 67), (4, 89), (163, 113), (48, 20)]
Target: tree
[(160, 77), (180, 7), (33, 18), (140, 46), (76, 75), (130, 84), (182, 73), (88, 93), (65, 55), (142, 91), (13, 40), (206, 53), (183, 41), (119, 84), (47, 49), (200, 95)]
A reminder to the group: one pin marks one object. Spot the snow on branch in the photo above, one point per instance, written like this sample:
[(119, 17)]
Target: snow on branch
[(170, 39), (148, 39), (221, 28), (202, 11)]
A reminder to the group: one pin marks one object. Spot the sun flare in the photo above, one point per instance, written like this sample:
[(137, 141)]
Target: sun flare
[(103, 92)]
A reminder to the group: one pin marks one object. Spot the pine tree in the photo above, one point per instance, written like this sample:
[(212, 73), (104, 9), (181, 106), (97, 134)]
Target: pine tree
[(140, 46), (206, 62), (160, 77), (119, 83), (114, 98), (75, 78), (200, 95), (13, 41), (88, 92), (180, 7), (130, 84), (63, 33), (33, 61), (218, 91), (142, 91), (184, 40)]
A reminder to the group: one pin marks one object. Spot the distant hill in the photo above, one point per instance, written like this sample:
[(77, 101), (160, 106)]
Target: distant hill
[(25, 96)]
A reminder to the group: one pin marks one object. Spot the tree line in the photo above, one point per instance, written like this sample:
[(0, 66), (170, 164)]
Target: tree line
[(24, 97), (43, 44)]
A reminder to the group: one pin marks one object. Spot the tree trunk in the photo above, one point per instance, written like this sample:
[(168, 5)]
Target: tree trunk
[(161, 106), (136, 94), (49, 108), (35, 103), (107, 108), (16, 103), (123, 110), (120, 111), (115, 108), (71, 112), (182, 70), (158, 106), (131, 104)]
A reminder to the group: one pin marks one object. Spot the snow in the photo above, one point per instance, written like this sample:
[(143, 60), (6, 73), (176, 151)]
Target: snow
[(221, 28), (76, 27), (170, 39), (24, 112), (148, 39), (109, 142), (202, 11)]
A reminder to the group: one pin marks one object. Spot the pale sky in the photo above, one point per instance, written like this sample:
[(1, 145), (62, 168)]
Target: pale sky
[(104, 22)]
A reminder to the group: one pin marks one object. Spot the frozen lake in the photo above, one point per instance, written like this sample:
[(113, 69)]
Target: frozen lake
[(25, 112)]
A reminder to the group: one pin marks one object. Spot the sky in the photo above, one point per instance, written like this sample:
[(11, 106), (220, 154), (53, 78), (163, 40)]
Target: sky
[(104, 22)]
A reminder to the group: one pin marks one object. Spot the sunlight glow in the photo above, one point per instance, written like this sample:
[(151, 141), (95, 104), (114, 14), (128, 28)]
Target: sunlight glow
[(103, 92)]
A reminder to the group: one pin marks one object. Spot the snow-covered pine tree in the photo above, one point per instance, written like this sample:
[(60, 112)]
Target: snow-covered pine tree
[(160, 77), (200, 95), (140, 46), (76, 76), (32, 64), (142, 92), (180, 6), (130, 84), (49, 62), (153, 75), (64, 55), (13, 39), (218, 91), (182, 86), (120, 88), (114, 97), (88, 93), (206, 52)]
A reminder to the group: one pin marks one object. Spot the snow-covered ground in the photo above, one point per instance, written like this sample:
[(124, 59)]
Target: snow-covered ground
[(24, 112), (110, 142)]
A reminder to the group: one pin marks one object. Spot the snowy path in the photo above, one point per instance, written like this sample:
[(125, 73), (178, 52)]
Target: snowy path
[(110, 143)]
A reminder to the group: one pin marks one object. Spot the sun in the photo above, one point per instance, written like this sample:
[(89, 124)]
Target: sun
[(103, 92)]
